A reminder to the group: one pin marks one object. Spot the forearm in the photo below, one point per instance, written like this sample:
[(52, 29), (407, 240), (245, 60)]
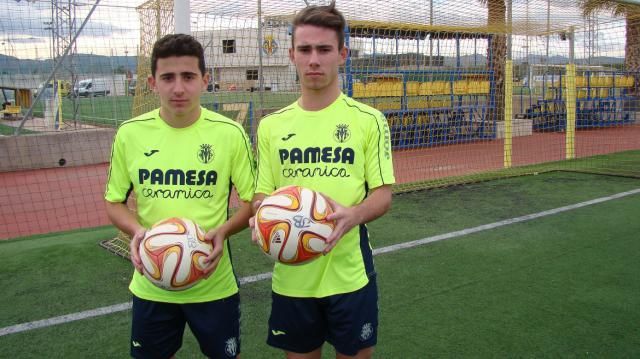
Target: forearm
[(238, 221), (122, 217), (257, 198), (374, 206)]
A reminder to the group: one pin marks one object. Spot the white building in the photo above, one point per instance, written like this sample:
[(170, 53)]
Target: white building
[(233, 58)]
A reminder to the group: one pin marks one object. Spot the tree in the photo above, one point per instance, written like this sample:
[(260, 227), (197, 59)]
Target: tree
[(497, 51), (631, 13)]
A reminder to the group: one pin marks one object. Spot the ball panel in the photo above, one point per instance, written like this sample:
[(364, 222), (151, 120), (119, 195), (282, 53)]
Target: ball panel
[(287, 198)]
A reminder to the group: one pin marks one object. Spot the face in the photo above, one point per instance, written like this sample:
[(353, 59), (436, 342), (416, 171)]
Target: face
[(179, 83), (317, 57)]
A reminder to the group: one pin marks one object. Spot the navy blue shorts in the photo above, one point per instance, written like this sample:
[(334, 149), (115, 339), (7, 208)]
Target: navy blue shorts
[(157, 328), (347, 321)]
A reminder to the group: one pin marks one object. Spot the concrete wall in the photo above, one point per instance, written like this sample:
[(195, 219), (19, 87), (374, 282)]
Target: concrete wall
[(73, 148)]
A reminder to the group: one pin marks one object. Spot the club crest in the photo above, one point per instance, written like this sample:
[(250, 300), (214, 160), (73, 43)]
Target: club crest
[(342, 133), (205, 153)]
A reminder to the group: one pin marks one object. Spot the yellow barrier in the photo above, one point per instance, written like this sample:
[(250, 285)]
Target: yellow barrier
[(434, 88), (624, 81), (390, 103), (460, 87), (478, 87), (601, 81), (417, 103)]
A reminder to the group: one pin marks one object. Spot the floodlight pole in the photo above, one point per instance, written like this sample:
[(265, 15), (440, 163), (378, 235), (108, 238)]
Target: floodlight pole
[(509, 28), (546, 59), (430, 34), (260, 65), (56, 67), (182, 16)]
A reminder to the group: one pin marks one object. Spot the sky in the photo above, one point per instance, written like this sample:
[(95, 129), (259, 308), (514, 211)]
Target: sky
[(114, 28)]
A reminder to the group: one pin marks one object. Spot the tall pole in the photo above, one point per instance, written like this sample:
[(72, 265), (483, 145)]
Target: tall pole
[(570, 103), (260, 69), (546, 60), (508, 94), (182, 16)]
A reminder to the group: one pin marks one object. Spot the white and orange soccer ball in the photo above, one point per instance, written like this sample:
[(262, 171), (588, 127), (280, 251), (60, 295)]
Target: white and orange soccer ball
[(292, 225), (173, 253)]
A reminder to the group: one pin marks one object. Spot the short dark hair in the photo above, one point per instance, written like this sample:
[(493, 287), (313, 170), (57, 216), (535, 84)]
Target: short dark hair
[(326, 16), (177, 45)]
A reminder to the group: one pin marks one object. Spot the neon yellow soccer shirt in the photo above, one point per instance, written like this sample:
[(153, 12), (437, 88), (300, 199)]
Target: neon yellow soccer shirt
[(182, 172), (341, 151)]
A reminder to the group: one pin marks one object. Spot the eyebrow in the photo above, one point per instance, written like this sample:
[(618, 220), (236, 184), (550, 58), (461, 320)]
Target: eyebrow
[(321, 46), (184, 73)]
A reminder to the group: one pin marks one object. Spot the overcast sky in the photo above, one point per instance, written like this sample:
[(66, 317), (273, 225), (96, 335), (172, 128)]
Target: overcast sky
[(114, 28)]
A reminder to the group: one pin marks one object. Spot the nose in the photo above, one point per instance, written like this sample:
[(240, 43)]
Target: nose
[(314, 58), (179, 86)]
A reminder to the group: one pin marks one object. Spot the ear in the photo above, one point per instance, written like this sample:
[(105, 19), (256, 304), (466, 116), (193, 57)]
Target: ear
[(292, 55), (344, 53), (205, 80), (152, 83)]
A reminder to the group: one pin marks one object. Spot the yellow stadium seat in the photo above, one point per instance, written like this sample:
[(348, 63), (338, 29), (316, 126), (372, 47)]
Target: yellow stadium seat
[(597, 81), (581, 81), (371, 89), (359, 90), (413, 88), (603, 92), (390, 89)]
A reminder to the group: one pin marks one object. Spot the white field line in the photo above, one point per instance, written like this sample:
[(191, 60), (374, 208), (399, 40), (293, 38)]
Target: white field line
[(263, 276)]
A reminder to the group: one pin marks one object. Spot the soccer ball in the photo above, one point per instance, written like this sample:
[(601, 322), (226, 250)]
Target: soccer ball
[(173, 253), (292, 225)]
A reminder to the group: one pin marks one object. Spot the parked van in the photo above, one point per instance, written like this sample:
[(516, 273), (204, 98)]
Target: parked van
[(92, 87)]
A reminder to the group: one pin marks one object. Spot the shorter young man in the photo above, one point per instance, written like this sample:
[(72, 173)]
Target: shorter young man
[(181, 161)]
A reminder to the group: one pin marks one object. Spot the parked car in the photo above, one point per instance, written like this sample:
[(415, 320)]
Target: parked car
[(131, 88), (213, 86), (92, 87)]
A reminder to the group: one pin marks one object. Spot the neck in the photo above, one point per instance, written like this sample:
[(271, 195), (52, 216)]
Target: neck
[(316, 100), (180, 121)]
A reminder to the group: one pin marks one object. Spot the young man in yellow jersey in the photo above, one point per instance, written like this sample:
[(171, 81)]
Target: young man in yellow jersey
[(180, 161), (332, 144)]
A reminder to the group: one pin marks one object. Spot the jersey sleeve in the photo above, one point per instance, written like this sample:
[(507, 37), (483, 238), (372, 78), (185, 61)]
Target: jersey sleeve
[(379, 164), (118, 181), (265, 182), (243, 171)]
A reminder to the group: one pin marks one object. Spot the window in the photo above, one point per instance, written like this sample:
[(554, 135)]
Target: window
[(228, 46), (252, 74)]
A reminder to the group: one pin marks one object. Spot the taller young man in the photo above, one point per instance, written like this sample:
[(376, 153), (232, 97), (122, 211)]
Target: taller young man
[(180, 161), (335, 145)]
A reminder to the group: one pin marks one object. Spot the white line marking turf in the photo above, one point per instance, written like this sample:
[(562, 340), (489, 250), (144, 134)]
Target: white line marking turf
[(263, 276)]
